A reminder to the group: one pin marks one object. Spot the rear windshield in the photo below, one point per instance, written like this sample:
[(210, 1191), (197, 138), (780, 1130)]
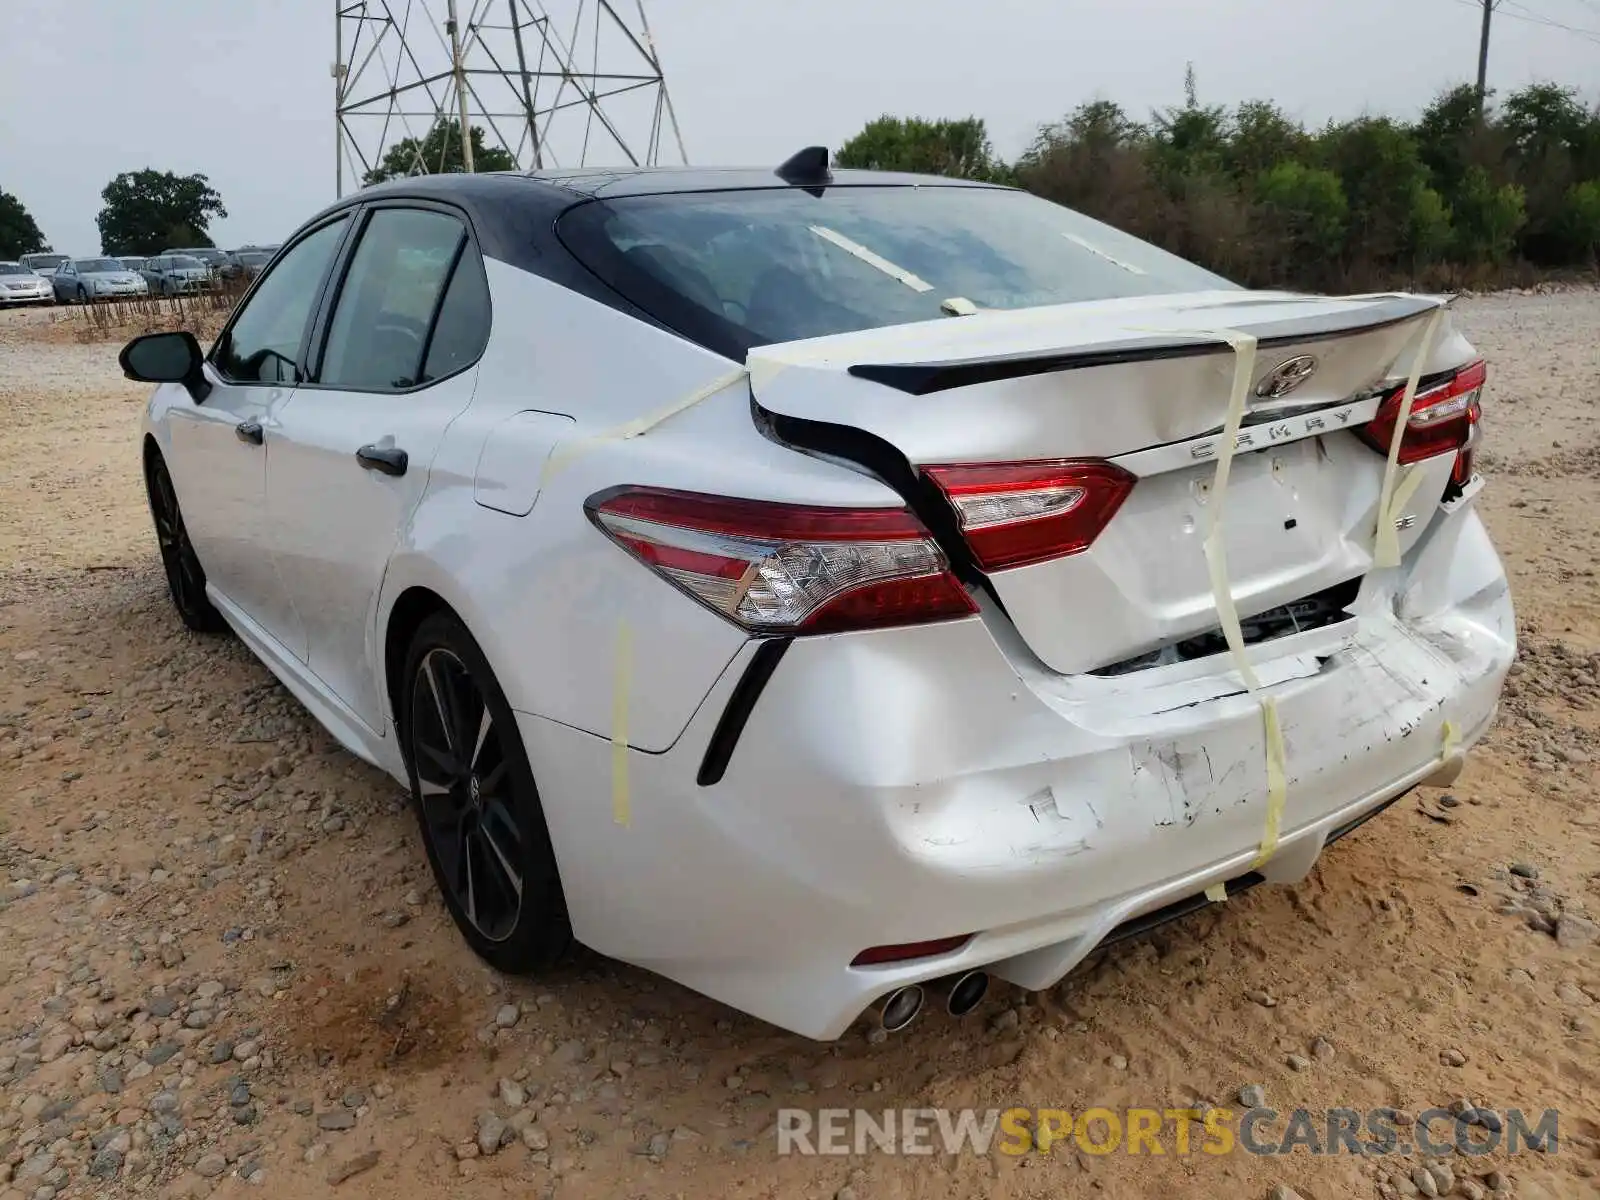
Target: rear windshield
[(47, 260), (734, 270)]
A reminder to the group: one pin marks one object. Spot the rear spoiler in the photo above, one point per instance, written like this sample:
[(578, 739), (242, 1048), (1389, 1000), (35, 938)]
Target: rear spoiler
[(921, 379)]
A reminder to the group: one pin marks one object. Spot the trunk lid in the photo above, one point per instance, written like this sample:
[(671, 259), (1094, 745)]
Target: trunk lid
[(1142, 384)]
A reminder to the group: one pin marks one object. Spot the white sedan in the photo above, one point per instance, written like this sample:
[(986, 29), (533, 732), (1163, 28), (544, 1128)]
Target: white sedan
[(20, 285), (822, 588)]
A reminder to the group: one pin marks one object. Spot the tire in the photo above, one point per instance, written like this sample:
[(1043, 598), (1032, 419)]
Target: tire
[(186, 578), (83, 296), (477, 807)]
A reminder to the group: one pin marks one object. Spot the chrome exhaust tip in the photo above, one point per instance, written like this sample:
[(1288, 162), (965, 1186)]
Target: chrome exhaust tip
[(966, 992), (900, 1007)]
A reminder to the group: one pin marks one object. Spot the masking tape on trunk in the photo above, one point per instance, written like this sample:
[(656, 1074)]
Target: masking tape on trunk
[(1217, 893), (1244, 361), (621, 685), (1386, 539), (1452, 739)]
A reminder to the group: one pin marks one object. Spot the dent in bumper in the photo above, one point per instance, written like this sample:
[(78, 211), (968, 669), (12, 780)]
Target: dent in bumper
[(908, 784)]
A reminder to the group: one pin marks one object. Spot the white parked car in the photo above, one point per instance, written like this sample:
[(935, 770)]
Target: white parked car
[(43, 263), (19, 285), (811, 586), (84, 280)]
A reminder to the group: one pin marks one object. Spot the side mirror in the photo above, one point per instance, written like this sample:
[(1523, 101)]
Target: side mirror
[(166, 358)]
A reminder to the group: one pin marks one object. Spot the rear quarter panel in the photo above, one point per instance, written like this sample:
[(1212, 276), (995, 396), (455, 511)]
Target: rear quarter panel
[(567, 618)]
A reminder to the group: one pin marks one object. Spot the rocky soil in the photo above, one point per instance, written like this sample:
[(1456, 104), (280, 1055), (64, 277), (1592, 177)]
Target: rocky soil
[(225, 971)]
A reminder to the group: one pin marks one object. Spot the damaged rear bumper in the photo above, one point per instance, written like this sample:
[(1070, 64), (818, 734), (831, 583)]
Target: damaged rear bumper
[(911, 784)]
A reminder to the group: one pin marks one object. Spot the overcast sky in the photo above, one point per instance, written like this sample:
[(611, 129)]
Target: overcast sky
[(240, 89)]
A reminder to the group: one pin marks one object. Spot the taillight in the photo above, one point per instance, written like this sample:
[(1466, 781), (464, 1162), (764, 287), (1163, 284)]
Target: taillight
[(1443, 418), (787, 568), (1016, 513)]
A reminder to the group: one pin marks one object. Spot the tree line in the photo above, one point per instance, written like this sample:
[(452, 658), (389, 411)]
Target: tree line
[(1451, 199), (1253, 194), (145, 212)]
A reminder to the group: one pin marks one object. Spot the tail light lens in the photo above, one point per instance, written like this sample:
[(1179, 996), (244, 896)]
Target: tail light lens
[(1444, 418), (1017, 513), (787, 568)]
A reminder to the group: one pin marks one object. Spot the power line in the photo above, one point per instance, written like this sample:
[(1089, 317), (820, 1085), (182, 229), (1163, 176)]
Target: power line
[(1532, 18)]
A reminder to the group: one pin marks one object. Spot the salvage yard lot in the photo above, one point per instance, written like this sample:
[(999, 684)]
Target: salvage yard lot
[(223, 962)]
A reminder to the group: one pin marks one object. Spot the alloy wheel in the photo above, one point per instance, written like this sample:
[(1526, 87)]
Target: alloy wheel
[(178, 558), (464, 788)]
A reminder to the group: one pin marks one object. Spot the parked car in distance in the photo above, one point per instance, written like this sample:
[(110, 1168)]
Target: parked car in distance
[(132, 262), (43, 264), (213, 258), (81, 280), (248, 262), (172, 274), (824, 588), (19, 285)]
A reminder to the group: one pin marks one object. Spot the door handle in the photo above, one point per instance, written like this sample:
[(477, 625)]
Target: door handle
[(389, 459), (248, 431)]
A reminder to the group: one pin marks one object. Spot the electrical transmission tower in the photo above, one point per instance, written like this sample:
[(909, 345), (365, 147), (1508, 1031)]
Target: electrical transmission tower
[(552, 83)]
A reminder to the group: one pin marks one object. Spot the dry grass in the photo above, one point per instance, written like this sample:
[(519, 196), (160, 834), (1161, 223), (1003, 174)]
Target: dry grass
[(201, 313)]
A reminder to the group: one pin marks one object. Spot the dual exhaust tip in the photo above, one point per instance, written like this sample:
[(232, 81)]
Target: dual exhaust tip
[(962, 993)]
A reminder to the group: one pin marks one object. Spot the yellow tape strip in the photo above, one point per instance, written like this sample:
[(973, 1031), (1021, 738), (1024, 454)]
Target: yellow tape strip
[(1452, 739), (1277, 784), (1244, 360), (621, 685), (567, 453), (1386, 539), (1217, 893)]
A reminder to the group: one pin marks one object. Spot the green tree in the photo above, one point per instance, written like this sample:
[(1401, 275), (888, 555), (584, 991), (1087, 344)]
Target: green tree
[(1582, 218), (1307, 208), (1447, 135), (1376, 161), (19, 234), (1095, 160), (957, 148), (1261, 137), (147, 211), (1428, 231), (1487, 218), (439, 153), (1191, 140), (1544, 119)]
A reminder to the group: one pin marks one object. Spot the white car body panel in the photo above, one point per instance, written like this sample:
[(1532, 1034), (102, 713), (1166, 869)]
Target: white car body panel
[(224, 484), (333, 569), (891, 785)]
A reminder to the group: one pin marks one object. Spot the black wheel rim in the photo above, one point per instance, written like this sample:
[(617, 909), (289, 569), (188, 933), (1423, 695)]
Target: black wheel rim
[(464, 790), (177, 555)]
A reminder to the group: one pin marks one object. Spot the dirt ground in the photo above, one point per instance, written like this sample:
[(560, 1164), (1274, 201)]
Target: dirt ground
[(224, 969)]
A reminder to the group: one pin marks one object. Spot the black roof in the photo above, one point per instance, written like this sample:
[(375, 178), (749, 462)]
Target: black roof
[(591, 183), (513, 216)]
